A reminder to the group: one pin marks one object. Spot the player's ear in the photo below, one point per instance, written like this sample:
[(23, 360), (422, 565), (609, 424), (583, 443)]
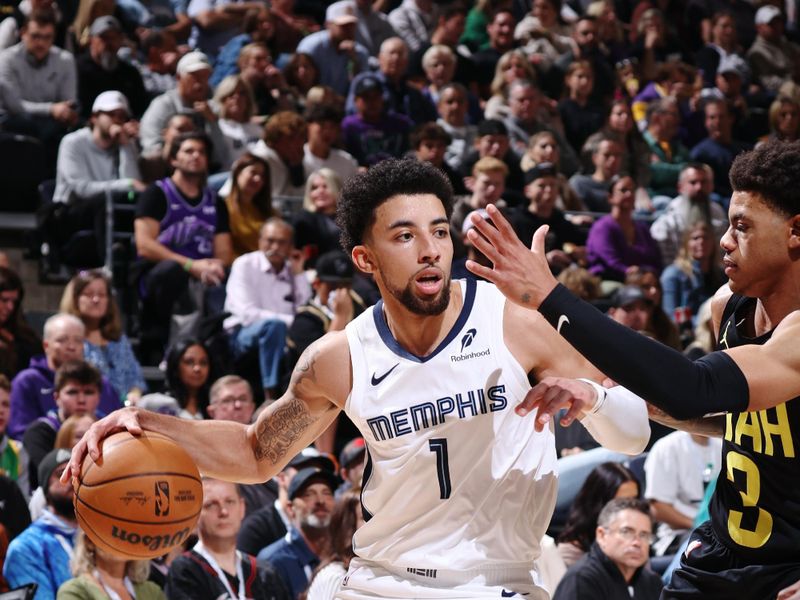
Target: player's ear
[(794, 232), (362, 259)]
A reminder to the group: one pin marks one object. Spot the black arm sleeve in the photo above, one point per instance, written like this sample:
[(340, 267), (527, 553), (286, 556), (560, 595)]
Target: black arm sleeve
[(678, 386)]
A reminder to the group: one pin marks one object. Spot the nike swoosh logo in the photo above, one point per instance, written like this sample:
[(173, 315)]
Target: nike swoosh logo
[(376, 380), (561, 320)]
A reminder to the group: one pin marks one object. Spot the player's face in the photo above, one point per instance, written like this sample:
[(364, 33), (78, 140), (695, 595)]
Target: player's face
[(756, 251), (409, 251), (626, 541), (222, 512), (312, 507)]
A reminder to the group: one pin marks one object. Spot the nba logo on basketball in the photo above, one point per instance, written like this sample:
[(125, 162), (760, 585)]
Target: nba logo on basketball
[(162, 498)]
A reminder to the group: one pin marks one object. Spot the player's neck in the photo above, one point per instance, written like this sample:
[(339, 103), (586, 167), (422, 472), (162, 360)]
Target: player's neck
[(421, 334), (773, 307)]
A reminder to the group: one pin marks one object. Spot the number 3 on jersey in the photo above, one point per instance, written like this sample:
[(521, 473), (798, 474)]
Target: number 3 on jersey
[(758, 536), (439, 447)]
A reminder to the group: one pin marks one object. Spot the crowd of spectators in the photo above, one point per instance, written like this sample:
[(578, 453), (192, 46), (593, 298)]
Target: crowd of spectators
[(230, 127)]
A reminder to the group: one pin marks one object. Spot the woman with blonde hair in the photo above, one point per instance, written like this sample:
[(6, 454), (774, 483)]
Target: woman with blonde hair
[(98, 575), (236, 103), (89, 297), (249, 202), (315, 228), (784, 120), (512, 65), (439, 64)]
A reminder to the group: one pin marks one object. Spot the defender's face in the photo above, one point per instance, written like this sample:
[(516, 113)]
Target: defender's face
[(756, 248), (409, 251)]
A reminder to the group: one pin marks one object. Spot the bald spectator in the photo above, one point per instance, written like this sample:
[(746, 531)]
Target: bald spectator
[(773, 58), (100, 69), (399, 97), (335, 51), (32, 388), (191, 96), (373, 26), (414, 21)]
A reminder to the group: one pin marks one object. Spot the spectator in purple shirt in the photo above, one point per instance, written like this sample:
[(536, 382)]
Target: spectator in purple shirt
[(617, 244)]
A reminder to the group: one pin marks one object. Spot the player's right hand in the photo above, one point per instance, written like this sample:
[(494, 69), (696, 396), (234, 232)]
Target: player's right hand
[(124, 419)]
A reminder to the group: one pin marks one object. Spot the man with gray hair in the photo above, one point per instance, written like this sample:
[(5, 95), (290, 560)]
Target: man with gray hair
[(231, 399), (32, 389), (614, 568), (525, 99), (692, 204)]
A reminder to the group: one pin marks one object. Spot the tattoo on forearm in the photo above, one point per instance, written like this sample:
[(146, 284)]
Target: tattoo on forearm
[(526, 298), (706, 426), (285, 426), (277, 434)]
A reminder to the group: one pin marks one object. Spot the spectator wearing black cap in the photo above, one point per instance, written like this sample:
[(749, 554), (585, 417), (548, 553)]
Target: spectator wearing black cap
[(100, 69), (333, 306), (324, 129), (41, 553), (352, 460), (296, 555), (564, 243), (631, 307), (493, 141), (374, 134)]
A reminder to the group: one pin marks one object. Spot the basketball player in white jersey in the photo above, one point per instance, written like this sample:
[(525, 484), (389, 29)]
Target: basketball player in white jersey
[(461, 479)]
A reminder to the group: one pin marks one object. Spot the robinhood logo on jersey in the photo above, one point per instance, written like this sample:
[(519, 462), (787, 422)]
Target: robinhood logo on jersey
[(466, 342)]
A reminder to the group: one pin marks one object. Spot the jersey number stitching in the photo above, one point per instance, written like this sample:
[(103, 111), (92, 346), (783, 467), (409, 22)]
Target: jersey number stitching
[(439, 447)]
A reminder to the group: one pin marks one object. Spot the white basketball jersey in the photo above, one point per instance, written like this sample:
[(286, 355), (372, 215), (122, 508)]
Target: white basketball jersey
[(455, 479)]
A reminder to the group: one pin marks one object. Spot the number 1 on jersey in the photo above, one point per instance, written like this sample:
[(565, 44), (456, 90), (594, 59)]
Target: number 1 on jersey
[(439, 447)]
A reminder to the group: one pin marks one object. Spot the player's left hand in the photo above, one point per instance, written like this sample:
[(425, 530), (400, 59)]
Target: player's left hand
[(522, 275), (554, 393), (790, 593)]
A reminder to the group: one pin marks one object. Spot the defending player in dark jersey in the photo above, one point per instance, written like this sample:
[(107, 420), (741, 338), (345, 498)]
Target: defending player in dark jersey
[(750, 547)]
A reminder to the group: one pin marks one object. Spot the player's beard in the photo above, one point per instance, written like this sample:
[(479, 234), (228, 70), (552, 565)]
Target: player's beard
[(419, 306)]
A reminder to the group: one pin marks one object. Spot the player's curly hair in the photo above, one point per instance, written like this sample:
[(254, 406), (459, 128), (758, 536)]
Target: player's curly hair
[(365, 192), (772, 171)]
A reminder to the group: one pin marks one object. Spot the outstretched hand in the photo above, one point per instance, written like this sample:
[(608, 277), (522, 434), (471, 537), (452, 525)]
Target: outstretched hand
[(552, 394), (125, 419), (522, 275)]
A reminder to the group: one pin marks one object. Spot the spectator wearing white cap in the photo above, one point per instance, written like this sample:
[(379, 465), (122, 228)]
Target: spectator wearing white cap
[(772, 58), (100, 69), (191, 96), (99, 157), (335, 49), (216, 22)]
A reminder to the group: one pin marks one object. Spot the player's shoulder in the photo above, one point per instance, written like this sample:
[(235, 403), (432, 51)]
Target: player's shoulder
[(788, 328), (328, 361)]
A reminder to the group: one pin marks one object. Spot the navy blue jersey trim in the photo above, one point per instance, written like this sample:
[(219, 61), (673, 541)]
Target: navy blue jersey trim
[(365, 479), (393, 345)]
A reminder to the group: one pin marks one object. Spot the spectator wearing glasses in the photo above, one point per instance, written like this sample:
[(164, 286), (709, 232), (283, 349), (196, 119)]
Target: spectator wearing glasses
[(615, 567)]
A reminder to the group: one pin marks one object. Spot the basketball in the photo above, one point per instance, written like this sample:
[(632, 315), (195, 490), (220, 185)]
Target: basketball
[(141, 499)]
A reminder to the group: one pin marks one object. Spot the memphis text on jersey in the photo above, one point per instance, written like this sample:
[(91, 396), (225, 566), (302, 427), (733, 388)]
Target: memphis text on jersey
[(417, 417)]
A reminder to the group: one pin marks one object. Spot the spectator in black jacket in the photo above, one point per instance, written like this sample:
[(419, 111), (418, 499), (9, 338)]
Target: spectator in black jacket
[(614, 568)]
